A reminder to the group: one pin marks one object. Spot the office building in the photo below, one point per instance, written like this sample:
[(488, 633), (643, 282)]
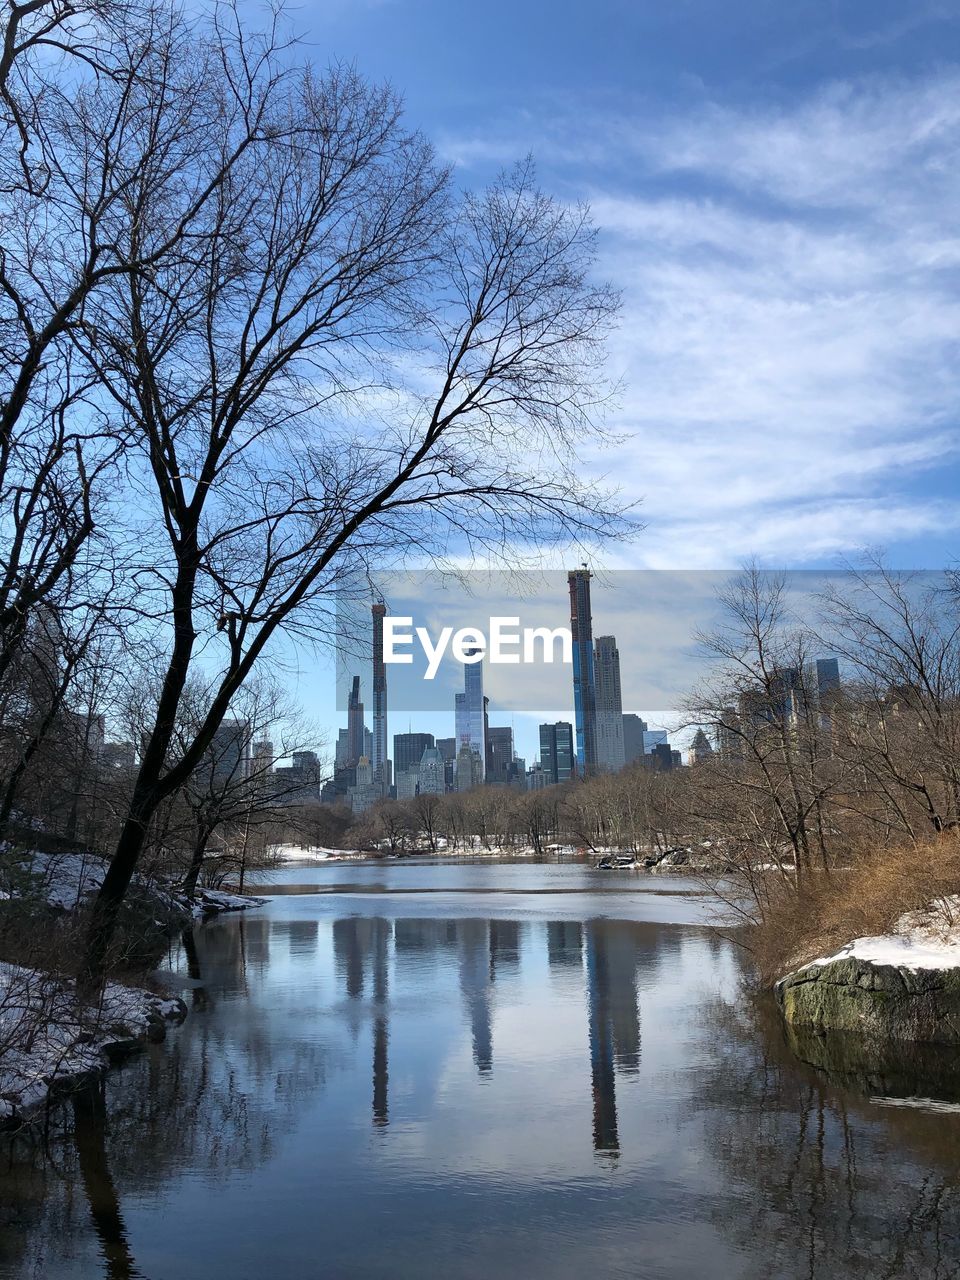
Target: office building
[(228, 755), (431, 781), (662, 758), (365, 793), (470, 717), (556, 752), (701, 749), (408, 749), (634, 727), (499, 755), (828, 679), (610, 748)]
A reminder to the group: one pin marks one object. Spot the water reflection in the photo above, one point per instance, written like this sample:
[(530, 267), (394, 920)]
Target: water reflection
[(89, 1133), (357, 1094), (614, 1021)]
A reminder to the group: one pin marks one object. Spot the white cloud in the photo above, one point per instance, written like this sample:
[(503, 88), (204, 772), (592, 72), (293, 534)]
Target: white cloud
[(791, 317)]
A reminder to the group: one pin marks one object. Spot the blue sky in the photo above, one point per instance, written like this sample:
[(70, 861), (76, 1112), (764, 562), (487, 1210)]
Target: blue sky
[(778, 187)]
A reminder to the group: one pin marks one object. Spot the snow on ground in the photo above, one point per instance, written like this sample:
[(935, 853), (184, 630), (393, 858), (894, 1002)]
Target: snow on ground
[(218, 900), (49, 1038), (920, 940), (309, 853), (64, 880)]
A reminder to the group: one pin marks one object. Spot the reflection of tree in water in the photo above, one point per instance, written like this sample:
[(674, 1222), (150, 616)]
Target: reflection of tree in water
[(838, 1185), (216, 1097)]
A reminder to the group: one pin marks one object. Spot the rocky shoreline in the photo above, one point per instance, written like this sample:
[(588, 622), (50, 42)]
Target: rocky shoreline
[(52, 1041), (901, 988)]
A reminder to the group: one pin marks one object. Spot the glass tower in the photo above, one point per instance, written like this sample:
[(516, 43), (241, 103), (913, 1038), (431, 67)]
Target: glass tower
[(470, 717), (584, 679), (610, 749)]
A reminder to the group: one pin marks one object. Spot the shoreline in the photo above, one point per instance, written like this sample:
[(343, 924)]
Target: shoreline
[(54, 1044)]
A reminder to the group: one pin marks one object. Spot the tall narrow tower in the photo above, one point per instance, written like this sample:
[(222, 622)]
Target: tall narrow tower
[(354, 724), (470, 717), (381, 767), (584, 683), (610, 753)]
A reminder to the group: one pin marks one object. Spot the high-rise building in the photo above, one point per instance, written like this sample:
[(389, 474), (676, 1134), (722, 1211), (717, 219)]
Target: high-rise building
[(262, 761), (828, 678), (407, 781), (661, 757), (499, 754), (729, 736), (448, 749), (365, 792), (610, 749), (556, 751), (431, 773), (355, 742), (408, 749), (653, 738), (634, 727), (584, 684), (381, 767), (228, 754), (470, 716), (701, 749), (786, 693), (469, 772), (536, 780)]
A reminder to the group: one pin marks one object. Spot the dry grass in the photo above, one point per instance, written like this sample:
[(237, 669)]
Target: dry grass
[(866, 897)]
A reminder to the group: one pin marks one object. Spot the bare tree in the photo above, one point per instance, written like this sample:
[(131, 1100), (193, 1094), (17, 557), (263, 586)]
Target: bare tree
[(768, 787), (899, 634), (331, 265)]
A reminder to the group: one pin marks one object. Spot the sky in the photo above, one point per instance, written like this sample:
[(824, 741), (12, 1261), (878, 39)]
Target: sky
[(778, 192)]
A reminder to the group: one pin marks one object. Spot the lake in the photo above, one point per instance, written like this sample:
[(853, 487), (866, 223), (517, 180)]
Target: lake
[(415, 1068)]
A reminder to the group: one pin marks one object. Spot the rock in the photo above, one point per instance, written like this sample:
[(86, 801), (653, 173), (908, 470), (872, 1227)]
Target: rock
[(880, 1069), (877, 1001)]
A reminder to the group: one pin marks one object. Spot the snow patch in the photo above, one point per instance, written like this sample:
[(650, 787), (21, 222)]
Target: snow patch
[(928, 939), (50, 1038)]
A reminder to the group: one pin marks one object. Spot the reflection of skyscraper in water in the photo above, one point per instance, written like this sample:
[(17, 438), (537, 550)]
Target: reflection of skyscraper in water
[(381, 1024), (474, 951), (564, 944), (304, 935), (361, 944), (504, 947), (613, 1020), (351, 937)]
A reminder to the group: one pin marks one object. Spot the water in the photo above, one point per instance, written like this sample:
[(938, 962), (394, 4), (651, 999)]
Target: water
[(405, 1069)]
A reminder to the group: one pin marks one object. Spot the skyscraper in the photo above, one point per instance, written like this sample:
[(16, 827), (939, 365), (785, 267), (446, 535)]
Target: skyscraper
[(408, 749), (610, 750), (828, 678), (469, 716), (354, 724), (430, 773), (584, 684), (634, 727), (381, 767), (556, 751), (499, 754)]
